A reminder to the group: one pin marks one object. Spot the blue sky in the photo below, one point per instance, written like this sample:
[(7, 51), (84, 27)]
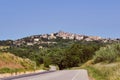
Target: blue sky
[(20, 18)]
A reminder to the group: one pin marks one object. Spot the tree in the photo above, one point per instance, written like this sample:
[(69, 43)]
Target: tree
[(108, 53)]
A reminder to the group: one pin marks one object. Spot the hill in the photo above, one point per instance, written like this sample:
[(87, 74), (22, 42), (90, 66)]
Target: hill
[(12, 63), (53, 38), (44, 39)]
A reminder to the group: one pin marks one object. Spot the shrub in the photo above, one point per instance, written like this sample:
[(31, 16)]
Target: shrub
[(109, 53), (5, 70)]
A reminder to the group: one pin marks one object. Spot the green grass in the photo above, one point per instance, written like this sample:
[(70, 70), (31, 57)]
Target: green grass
[(10, 70)]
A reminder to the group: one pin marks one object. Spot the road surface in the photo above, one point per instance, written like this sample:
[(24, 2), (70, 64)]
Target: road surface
[(57, 75)]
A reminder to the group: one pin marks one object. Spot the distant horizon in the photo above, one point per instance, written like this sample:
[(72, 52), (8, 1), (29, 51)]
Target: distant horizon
[(21, 18)]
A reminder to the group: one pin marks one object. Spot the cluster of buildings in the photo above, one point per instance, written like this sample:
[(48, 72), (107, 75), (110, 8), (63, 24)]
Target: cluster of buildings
[(66, 35), (35, 39), (46, 38)]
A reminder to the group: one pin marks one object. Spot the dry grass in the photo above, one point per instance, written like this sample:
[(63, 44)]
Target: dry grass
[(4, 47), (11, 61), (110, 71), (103, 71)]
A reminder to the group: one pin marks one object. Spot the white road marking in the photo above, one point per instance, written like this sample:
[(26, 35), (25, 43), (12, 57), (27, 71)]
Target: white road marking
[(76, 75)]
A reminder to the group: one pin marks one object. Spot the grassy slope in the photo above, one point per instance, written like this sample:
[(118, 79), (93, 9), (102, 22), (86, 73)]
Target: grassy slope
[(103, 71), (9, 62)]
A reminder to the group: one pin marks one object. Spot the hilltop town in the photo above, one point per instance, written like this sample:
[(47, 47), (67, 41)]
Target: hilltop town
[(49, 38)]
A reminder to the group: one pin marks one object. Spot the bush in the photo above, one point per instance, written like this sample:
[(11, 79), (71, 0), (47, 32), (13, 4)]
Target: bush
[(47, 62), (4, 70), (109, 53)]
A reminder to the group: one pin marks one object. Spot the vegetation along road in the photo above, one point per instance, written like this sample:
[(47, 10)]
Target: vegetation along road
[(56, 75)]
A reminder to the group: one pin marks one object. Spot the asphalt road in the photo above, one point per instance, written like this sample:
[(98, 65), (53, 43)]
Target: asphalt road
[(57, 75)]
